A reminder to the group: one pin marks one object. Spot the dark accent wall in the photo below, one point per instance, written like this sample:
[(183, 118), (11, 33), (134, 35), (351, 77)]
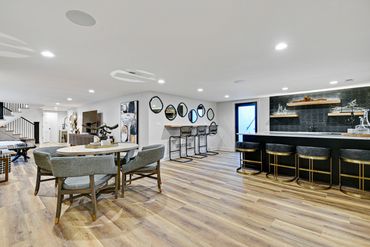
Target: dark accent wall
[(315, 118)]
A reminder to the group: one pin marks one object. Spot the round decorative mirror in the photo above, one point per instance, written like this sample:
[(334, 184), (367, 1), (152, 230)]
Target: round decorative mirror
[(156, 104), (193, 116), (182, 109), (201, 110), (170, 112), (210, 114)]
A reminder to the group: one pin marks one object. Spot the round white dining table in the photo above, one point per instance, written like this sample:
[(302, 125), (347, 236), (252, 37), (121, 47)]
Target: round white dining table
[(83, 150)]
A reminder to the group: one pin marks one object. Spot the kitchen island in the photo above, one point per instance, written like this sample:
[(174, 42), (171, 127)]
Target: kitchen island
[(334, 141)]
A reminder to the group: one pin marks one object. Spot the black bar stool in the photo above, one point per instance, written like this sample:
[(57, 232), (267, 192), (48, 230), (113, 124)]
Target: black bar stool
[(279, 150), (202, 134), (185, 132), (351, 158), (244, 148), (314, 154), (212, 130)]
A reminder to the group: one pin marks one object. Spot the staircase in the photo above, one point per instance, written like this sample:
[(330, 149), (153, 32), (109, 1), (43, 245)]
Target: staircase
[(15, 127)]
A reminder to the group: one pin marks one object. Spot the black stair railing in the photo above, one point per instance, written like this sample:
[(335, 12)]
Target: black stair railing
[(1, 110), (23, 127)]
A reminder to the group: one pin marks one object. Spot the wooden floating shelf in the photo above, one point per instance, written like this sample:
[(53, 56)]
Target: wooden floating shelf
[(344, 114), (283, 116), (315, 102), (356, 135)]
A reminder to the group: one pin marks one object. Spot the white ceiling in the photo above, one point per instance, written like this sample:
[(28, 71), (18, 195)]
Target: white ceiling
[(191, 44)]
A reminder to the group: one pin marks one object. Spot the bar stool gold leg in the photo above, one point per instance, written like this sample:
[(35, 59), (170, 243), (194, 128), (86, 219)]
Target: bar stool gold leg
[(361, 193), (275, 175), (244, 161), (311, 172)]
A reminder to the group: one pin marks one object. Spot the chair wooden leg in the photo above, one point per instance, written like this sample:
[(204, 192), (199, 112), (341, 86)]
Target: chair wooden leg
[(93, 197), (71, 198), (159, 180), (38, 178), (116, 186), (130, 179), (123, 184), (59, 201)]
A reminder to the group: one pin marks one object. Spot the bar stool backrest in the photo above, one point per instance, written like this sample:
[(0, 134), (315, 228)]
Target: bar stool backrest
[(213, 129), (186, 130), (201, 130)]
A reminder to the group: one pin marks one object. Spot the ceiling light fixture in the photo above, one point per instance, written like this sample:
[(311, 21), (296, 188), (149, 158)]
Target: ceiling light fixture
[(161, 81), (69, 99), (200, 89), (281, 46), (239, 81), (47, 54), (285, 88), (91, 91), (333, 82), (80, 18), (57, 103), (227, 96)]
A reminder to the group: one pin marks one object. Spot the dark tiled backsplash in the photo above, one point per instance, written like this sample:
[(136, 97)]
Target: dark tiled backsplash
[(315, 118)]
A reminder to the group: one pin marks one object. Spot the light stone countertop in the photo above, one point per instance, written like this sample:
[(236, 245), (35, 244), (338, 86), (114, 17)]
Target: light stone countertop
[(327, 135)]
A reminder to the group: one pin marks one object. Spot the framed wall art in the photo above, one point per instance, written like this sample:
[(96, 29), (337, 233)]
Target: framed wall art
[(129, 122)]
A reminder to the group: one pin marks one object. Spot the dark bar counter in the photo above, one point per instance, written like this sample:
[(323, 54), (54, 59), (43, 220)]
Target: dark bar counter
[(334, 141)]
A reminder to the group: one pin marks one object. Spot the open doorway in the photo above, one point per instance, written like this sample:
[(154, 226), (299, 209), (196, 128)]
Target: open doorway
[(50, 127), (245, 119)]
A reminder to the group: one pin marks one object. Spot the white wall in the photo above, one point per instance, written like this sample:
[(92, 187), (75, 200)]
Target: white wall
[(34, 114), (151, 125), (226, 120), (159, 134), (111, 114)]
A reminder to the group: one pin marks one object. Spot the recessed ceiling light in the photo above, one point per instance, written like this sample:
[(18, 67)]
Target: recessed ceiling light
[(57, 103), (200, 89), (91, 91), (80, 18), (239, 81), (69, 99), (161, 81), (47, 54), (333, 82), (284, 88), (281, 46), (227, 96)]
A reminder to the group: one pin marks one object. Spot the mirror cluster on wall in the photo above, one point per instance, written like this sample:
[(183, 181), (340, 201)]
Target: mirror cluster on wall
[(156, 104), (201, 110), (193, 116), (171, 112), (182, 109)]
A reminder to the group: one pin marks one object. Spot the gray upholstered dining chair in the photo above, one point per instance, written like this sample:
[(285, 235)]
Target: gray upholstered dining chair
[(42, 160), (84, 176), (146, 164)]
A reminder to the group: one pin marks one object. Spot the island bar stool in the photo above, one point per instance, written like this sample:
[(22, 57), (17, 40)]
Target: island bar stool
[(202, 133), (276, 151), (212, 130), (352, 158), (248, 147), (314, 154), (185, 132)]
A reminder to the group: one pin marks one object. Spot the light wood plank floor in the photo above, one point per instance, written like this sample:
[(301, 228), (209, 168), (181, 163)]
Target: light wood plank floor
[(204, 203)]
